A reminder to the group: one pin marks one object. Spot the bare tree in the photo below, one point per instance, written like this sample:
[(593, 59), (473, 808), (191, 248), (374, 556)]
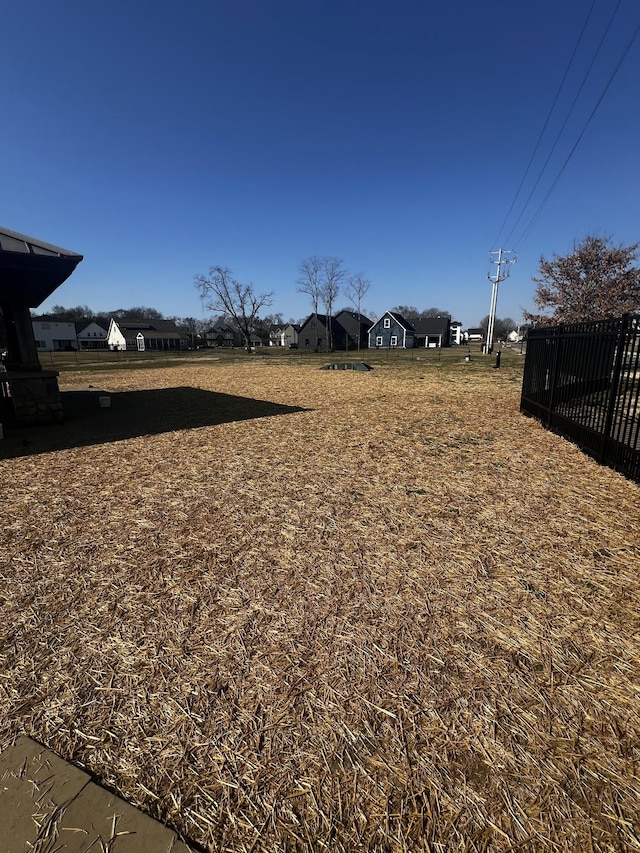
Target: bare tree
[(140, 313), (355, 290), (193, 327), (225, 295), (80, 313), (595, 282), (320, 279), (434, 312), (501, 326), (411, 313), (333, 274), (310, 282)]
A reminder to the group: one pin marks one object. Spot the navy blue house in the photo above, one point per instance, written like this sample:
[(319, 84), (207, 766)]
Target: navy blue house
[(391, 331)]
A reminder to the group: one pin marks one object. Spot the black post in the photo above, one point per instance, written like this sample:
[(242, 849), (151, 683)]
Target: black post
[(615, 384), (553, 376)]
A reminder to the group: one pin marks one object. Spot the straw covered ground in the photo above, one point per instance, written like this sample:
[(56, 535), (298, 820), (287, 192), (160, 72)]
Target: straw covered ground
[(393, 615)]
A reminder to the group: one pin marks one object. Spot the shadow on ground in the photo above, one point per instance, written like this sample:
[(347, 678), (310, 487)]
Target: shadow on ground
[(132, 414)]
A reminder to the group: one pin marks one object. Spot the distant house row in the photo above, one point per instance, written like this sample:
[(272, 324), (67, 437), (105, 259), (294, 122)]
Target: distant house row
[(59, 335), (348, 330)]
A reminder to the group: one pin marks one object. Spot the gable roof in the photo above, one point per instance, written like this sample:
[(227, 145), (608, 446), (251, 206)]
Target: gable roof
[(133, 325), (406, 325), (149, 329), (82, 325), (324, 320), (352, 322), (432, 325), (220, 328)]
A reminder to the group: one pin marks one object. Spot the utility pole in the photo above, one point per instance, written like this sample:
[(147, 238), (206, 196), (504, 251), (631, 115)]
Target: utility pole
[(501, 258)]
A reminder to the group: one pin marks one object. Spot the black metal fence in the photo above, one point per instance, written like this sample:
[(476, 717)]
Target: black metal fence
[(583, 381)]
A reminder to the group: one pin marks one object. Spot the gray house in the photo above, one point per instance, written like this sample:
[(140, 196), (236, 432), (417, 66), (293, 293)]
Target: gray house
[(355, 334), (432, 332), (291, 334), (314, 333), (221, 336), (391, 331)]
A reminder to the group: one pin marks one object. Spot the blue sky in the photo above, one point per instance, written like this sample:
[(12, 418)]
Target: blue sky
[(160, 139)]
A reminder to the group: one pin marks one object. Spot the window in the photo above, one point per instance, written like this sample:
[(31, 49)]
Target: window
[(387, 323), (394, 340), (378, 340)]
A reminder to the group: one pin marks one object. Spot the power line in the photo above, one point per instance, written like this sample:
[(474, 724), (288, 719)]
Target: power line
[(544, 201), (546, 122), (564, 123)]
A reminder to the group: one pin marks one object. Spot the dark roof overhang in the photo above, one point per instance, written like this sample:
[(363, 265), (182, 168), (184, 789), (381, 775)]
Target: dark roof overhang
[(30, 270)]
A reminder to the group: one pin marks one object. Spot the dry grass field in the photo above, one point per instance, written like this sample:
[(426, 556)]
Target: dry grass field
[(285, 609)]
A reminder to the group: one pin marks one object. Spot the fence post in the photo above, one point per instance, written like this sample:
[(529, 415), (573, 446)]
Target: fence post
[(553, 378), (615, 384)]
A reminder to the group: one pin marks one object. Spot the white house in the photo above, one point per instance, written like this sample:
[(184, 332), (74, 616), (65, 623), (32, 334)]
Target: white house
[(54, 335), (456, 333), (276, 336), (144, 335), (91, 336), (475, 335)]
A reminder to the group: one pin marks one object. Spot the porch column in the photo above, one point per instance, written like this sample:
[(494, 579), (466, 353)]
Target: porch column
[(22, 350)]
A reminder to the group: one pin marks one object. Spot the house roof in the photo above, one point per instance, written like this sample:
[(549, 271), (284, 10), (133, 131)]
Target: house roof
[(323, 319), (82, 325), (406, 325), (147, 325), (150, 329), (431, 325), (400, 319), (30, 269), (352, 321), (49, 318)]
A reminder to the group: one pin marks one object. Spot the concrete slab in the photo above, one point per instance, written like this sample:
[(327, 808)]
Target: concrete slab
[(98, 820), (48, 804), (35, 785)]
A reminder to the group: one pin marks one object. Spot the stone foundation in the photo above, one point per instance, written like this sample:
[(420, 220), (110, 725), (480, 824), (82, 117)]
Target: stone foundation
[(35, 397)]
